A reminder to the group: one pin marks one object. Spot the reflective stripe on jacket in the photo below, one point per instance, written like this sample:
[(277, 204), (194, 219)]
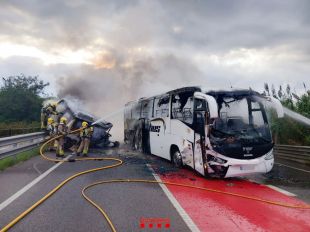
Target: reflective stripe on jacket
[(86, 132)]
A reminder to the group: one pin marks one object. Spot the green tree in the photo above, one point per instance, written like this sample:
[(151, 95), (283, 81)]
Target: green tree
[(303, 105), (21, 98), (286, 130)]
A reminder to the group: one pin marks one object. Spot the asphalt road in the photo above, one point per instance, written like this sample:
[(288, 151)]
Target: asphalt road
[(290, 176), (125, 203), (14, 178)]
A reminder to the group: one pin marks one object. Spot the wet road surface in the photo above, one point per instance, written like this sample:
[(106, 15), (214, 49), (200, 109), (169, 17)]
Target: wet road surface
[(128, 203), (290, 176)]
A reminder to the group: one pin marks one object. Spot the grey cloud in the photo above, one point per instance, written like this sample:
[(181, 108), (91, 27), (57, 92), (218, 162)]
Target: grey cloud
[(174, 31), (207, 25), (222, 25)]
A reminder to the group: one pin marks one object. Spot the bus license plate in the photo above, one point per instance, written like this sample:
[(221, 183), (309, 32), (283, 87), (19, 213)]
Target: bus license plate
[(246, 167)]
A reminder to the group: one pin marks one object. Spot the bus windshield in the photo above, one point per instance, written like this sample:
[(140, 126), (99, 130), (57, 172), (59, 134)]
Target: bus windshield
[(241, 118)]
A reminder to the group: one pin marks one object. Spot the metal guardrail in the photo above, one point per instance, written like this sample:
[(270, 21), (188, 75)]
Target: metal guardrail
[(300, 154), (14, 144)]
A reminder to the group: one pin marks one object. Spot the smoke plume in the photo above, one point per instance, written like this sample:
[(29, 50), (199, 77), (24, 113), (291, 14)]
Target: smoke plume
[(114, 80)]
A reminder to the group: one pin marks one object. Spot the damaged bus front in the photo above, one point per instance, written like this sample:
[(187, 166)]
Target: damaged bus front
[(240, 138), (220, 133)]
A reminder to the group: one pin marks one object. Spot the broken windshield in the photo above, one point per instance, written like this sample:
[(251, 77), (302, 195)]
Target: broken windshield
[(241, 118)]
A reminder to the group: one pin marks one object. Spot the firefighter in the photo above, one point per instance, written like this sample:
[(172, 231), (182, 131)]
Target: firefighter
[(50, 127), (62, 129), (47, 111), (52, 131), (85, 135)]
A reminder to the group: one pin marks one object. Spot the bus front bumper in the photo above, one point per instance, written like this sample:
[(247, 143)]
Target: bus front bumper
[(246, 167)]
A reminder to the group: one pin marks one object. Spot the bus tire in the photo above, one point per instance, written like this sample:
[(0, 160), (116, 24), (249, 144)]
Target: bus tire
[(176, 158)]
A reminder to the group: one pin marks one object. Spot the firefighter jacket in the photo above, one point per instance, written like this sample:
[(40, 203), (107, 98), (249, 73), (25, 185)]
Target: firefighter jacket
[(52, 129), (62, 129), (86, 132), (49, 109)]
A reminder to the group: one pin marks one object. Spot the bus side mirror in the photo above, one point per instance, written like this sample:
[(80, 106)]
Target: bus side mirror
[(212, 104)]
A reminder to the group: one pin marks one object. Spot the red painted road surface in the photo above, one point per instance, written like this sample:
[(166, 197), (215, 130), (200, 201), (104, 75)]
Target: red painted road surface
[(218, 212)]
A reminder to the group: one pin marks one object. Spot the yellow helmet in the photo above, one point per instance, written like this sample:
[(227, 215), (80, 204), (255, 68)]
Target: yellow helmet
[(84, 124), (50, 120), (63, 120)]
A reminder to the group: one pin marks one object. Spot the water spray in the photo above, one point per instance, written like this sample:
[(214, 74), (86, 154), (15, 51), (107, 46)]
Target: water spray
[(111, 114), (296, 116), (107, 116)]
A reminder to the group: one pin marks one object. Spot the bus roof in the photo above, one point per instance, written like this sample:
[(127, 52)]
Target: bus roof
[(185, 89), (233, 92)]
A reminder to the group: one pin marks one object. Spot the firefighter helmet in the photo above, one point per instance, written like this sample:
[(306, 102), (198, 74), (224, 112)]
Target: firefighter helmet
[(84, 124), (50, 120), (63, 120)]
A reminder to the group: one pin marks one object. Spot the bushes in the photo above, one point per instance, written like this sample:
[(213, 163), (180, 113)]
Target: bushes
[(20, 99), (286, 130)]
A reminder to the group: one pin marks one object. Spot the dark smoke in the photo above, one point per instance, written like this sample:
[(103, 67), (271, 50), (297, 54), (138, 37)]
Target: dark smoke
[(108, 88)]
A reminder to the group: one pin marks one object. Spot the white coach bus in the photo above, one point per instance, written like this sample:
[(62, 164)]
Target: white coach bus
[(217, 133)]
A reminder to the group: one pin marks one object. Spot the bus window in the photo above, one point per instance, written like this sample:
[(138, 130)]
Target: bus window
[(136, 110), (161, 106), (147, 108), (182, 107)]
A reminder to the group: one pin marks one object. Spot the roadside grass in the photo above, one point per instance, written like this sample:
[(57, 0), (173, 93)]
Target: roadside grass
[(13, 160)]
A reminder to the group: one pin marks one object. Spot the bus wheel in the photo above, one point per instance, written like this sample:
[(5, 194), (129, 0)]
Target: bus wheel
[(177, 159)]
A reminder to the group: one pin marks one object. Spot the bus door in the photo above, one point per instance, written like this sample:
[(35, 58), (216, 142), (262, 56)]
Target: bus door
[(204, 106), (199, 137), (157, 136), (160, 127)]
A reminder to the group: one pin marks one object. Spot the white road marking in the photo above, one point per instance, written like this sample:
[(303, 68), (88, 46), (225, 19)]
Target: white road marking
[(299, 169), (36, 168), (188, 221), (28, 186), (287, 193)]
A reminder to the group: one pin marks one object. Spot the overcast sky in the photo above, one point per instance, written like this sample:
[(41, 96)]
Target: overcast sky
[(115, 51)]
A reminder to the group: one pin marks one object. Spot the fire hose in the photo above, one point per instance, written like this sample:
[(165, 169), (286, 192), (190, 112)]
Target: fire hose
[(118, 163)]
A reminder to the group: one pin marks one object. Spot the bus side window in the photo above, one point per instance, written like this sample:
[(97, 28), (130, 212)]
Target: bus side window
[(161, 106), (182, 107), (147, 108)]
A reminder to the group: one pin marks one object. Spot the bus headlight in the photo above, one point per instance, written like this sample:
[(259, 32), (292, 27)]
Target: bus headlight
[(269, 156), (218, 160)]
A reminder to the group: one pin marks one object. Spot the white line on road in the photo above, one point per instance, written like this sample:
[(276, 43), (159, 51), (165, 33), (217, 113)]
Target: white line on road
[(34, 165), (287, 193), (188, 221), (299, 169), (28, 186)]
